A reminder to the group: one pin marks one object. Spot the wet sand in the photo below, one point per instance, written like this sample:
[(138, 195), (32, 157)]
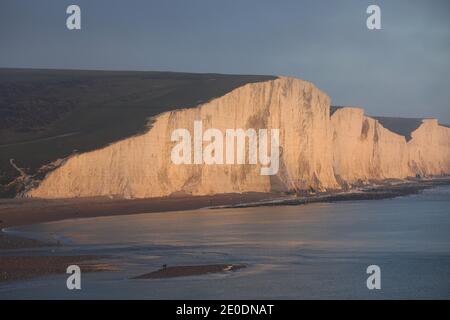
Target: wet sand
[(9, 242), (16, 212), (13, 268), (186, 271), (28, 265)]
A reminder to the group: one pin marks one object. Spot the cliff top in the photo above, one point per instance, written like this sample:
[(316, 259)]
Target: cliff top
[(401, 126)]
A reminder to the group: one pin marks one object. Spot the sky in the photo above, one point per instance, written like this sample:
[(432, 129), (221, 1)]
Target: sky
[(401, 70)]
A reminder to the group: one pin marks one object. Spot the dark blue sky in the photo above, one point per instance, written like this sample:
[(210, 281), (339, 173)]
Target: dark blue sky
[(401, 70)]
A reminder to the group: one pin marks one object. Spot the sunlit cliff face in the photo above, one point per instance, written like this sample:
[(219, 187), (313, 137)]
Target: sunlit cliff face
[(316, 151)]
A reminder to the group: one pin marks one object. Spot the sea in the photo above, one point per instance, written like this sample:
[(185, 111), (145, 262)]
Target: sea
[(313, 251)]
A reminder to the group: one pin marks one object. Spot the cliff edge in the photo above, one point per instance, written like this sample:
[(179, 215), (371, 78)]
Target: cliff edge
[(318, 151)]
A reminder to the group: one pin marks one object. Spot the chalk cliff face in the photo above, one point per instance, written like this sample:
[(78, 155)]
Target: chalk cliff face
[(429, 149), (363, 149), (141, 166), (316, 151)]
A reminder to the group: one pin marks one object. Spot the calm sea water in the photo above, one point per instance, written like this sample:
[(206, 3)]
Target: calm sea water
[(292, 252)]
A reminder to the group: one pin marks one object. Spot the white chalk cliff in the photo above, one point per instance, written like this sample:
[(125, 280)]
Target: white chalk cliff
[(318, 151)]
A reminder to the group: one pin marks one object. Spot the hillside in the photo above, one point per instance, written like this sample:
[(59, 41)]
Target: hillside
[(50, 114), (318, 151)]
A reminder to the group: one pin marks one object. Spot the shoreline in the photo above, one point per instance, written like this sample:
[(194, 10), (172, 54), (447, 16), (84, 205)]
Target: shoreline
[(41, 260), (26, 267), (189, 271), (26, 211), (19, 212), (371, 192)]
